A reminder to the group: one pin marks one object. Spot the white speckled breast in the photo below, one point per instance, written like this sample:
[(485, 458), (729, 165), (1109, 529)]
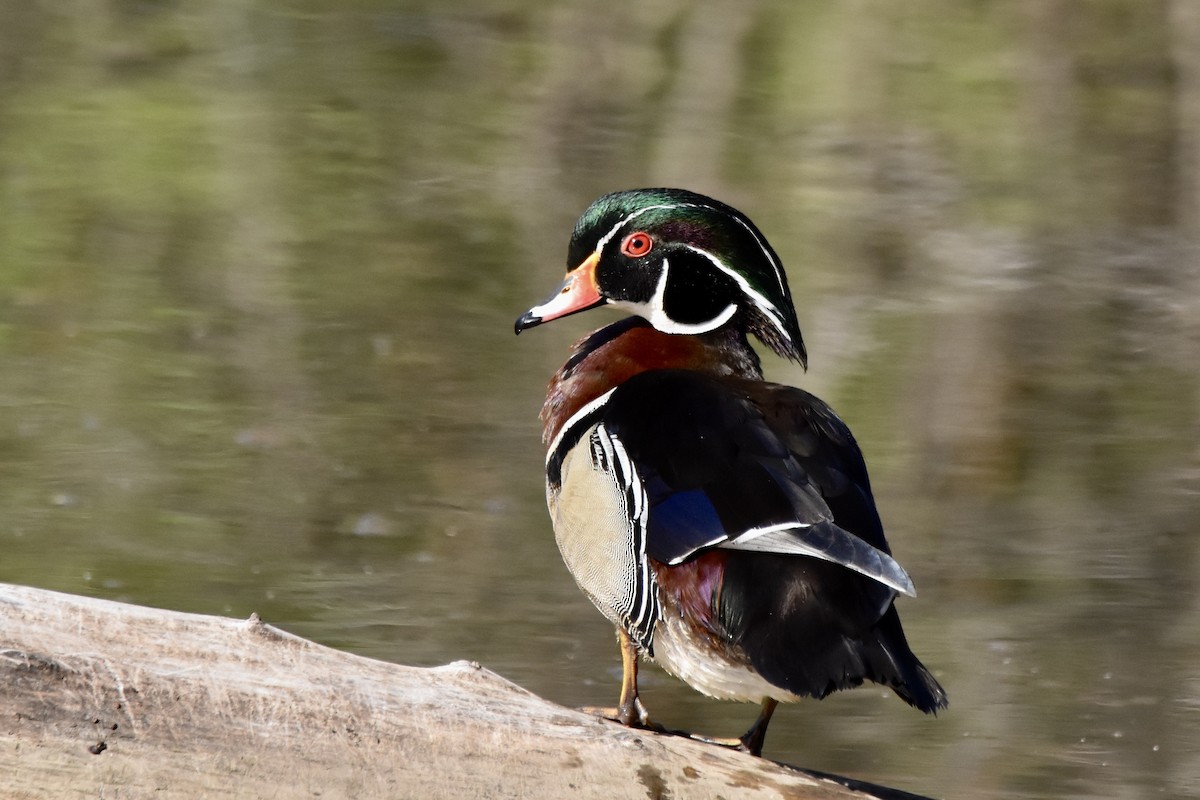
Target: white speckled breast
[(594, 532), (593, 529)]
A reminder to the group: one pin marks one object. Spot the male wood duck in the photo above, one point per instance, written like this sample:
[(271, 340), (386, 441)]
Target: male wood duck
[(723, 523)]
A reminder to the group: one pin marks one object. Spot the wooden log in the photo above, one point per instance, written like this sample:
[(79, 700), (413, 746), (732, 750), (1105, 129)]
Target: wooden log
[(105, 699)]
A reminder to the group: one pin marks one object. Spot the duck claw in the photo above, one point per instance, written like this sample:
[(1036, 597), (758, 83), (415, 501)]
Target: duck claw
[(634, 717)]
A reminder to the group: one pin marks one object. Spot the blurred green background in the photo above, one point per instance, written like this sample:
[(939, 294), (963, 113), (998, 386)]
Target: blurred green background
[(259, 264)]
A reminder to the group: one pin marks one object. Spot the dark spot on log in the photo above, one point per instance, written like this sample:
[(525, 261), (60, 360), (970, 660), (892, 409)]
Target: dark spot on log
[(97, 748), (745, 779), (652, 779), (691, 772), (21, 661)]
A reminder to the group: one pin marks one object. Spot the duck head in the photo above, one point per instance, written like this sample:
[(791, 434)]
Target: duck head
[(686, 263)]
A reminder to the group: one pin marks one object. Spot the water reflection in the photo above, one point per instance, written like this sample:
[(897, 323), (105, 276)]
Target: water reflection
[(260, 264)]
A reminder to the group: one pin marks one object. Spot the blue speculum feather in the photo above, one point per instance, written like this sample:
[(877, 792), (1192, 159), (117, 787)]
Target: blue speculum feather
[(682, 523)]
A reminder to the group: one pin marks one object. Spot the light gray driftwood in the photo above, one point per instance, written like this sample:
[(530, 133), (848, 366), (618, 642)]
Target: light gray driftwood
[(104, 699)]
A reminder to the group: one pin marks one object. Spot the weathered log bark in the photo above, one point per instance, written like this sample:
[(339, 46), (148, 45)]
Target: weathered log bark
[(104, 699)]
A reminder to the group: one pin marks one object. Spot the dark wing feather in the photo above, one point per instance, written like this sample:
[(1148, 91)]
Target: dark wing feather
[(718, 472), (807, 628), (825, 449), (721, 457)]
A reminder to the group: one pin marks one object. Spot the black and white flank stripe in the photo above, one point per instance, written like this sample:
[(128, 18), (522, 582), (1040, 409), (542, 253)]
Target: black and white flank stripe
[(609, 456)]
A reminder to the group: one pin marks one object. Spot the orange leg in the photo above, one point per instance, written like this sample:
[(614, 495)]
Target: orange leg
[(630, 710), (632, 713)]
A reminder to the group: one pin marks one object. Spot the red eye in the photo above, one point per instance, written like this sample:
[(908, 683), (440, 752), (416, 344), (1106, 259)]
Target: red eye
[(636, 244)]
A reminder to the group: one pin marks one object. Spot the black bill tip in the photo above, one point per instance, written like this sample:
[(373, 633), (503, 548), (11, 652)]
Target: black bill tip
[(525, 321)]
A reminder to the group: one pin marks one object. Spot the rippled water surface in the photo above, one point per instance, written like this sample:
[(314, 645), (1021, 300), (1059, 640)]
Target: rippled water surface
[(259, 264)]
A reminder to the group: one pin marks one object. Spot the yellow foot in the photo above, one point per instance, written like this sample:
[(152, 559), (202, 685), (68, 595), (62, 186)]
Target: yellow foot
[(637, 717), (645, 723), (732, 744)]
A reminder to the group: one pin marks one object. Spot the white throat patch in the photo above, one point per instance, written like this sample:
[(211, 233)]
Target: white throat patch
[(656, 314)]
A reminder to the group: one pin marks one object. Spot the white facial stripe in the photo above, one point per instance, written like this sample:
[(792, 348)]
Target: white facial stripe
[(606, 238), (578, 415), (767, 307), (656, 314), (766, 252), (757, 237), (764, 305)]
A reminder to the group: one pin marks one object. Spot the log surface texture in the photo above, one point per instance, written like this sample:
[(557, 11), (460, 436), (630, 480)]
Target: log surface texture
[(105, 699)]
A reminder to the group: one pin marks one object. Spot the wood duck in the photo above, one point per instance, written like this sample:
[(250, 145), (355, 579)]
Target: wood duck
[(724, 524)]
